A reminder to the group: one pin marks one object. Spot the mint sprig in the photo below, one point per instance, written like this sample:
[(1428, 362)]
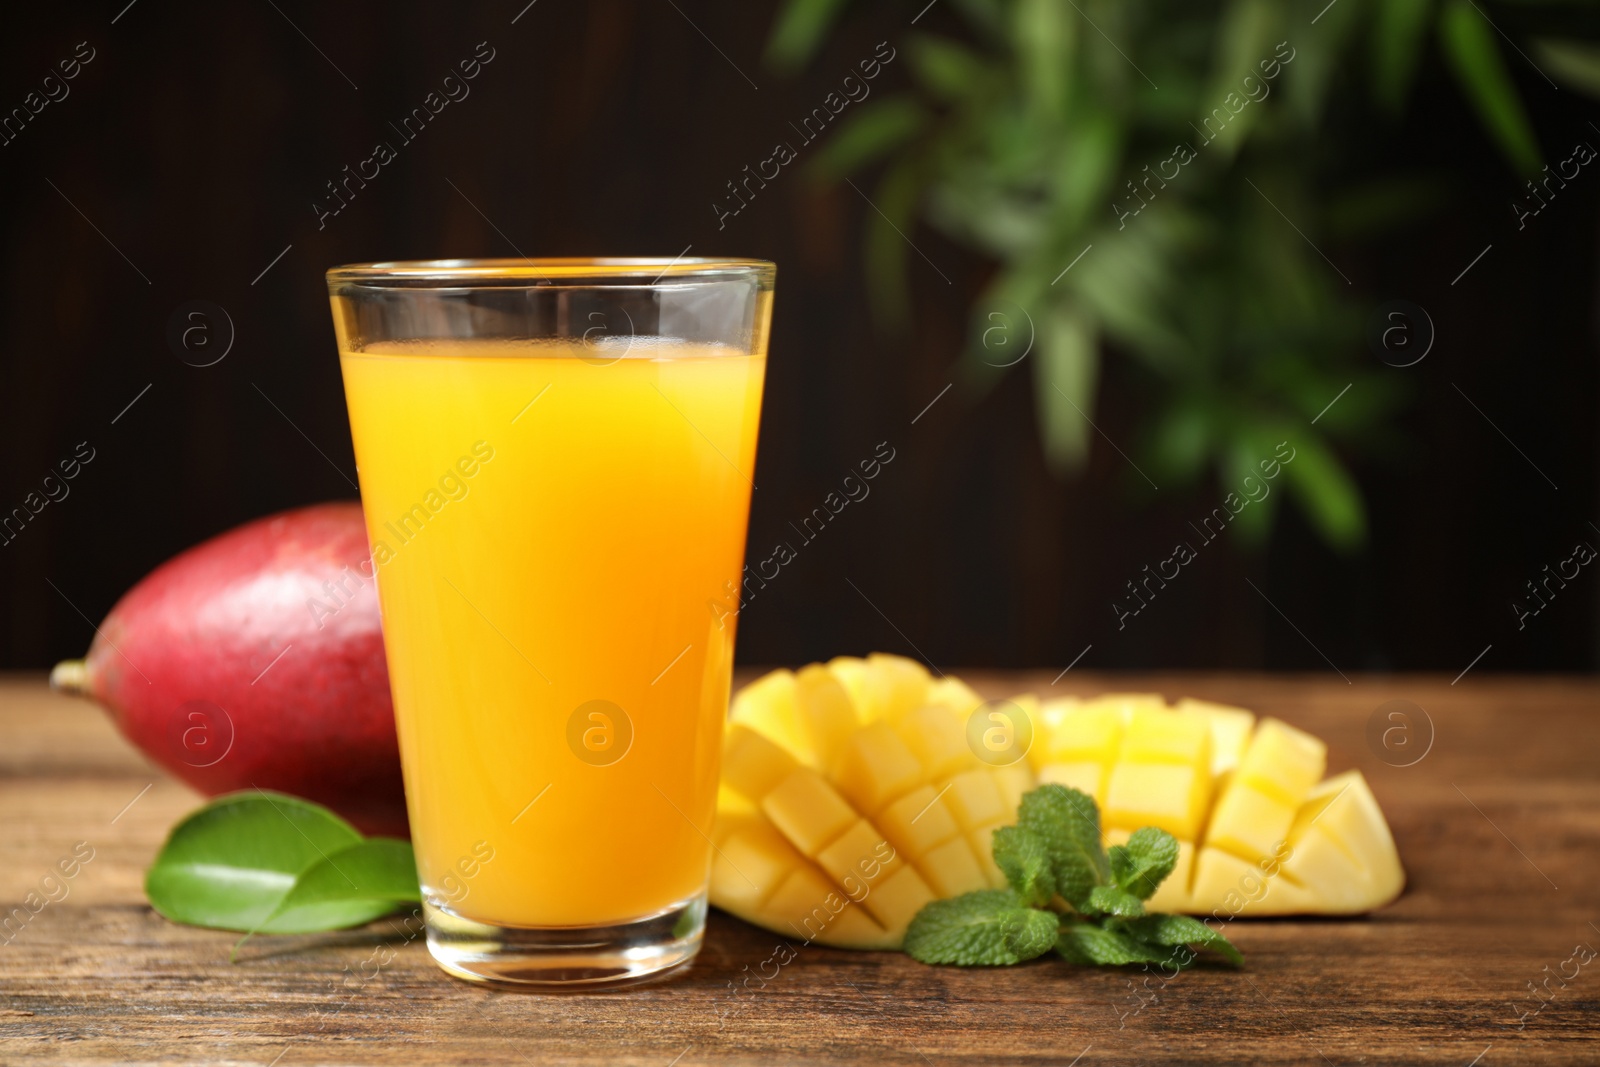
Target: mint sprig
[(1066, 893)]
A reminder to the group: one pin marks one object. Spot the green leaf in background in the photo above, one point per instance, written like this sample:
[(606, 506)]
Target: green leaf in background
[(1398, 29), (1022, 857), (889, 219), (1326, 492), (1474, 56), (1246, 35), (1175, 930), (867, 135), (1218, 247), (355, 885), (949, 71), (981, 929), (1066, 366), (228, 864), (799, 31), (1573, 62), (1045, 30), (1141, 865)]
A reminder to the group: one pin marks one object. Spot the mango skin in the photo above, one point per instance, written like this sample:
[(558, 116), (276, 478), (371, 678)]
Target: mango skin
[(205, 625)]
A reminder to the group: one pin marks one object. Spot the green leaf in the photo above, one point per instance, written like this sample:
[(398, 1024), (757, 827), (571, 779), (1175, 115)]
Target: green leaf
[(949, 71), (1022, 856), (1326, 493), (1109, 900), (347, 888), (1182, 930), (1575, 62), (889, 222), (1089, 944), (1066, 370), (985, 928), (1044, 42), (1142, 864), (1474, 57), (1031, 933), (1397, 35), (866, 135), (799, 31), (1243, 38), (228, 864), (1068, 823)]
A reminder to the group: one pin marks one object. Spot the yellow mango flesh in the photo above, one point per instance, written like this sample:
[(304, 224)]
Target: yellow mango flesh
[(853, 794), (851, 798)]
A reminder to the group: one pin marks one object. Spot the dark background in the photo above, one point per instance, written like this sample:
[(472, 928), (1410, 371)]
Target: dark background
[(199, 136)]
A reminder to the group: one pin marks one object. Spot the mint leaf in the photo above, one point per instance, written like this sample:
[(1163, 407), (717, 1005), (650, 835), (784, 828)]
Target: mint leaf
[(1021, 854), (228, 864), (1031, 932), (1087, 943), (1144, 862), (1182, 930), (369, 878), (1069, 824), (984, 928), (1109, 900)]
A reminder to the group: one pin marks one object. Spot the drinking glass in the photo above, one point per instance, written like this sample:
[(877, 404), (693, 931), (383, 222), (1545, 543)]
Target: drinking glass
[(556, 461)]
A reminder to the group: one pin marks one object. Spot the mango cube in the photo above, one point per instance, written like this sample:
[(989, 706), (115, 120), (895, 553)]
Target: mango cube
[(953, 694), (825, 713), (1159, 794), (975, 801), (938, 739), (895, 900), (875, 767), (859, 858), (767, 706), (1090, 778), (1230, 730), (951, 869), (752, 765), (902, 684), (808, 811), (918, 822), (750, 862)]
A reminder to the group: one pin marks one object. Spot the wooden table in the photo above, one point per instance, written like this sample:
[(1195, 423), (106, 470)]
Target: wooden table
[(1498, 825)]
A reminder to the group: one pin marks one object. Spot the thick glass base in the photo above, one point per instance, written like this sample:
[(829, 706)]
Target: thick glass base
[(549, 959)]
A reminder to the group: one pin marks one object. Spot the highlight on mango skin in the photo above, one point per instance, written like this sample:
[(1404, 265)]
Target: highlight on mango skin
[(857, 791)]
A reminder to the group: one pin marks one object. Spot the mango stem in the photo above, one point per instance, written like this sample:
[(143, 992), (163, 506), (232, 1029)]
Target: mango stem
[(70, 676)]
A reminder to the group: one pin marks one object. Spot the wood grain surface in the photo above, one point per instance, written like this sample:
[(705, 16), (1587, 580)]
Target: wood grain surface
[(1498, 826)]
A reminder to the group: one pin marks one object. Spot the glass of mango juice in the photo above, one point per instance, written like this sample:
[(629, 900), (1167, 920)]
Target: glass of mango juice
[(556, 460)]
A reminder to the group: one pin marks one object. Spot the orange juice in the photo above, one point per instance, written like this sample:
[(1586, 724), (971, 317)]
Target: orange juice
[(552, 527)]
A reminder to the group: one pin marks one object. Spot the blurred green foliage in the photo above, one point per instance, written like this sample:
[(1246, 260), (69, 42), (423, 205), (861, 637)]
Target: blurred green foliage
[(1052, 127)]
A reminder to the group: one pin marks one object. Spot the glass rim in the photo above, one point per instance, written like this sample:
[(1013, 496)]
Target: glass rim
[(555, 271)]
